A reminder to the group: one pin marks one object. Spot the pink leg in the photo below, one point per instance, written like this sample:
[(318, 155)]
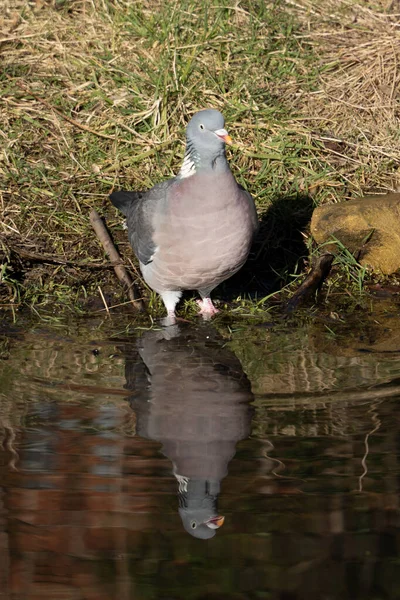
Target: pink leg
[(207, 308)]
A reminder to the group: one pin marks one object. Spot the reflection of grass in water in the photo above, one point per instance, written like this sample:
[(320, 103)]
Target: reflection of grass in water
[(127, 418), (4, 349), (40, 367), (18, 415), (12, 414), (313, 353)]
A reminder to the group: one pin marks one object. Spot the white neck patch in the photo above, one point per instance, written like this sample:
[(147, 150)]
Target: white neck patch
[(188, 167), (182, 482)]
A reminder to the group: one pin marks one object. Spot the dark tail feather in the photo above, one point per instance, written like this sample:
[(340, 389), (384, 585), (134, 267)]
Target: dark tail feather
[(124, 200)]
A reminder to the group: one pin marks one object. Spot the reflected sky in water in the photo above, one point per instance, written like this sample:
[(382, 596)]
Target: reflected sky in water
[(199, 462)]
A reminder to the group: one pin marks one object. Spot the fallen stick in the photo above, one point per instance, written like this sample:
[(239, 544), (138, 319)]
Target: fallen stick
[(312, 282), (115, 259)]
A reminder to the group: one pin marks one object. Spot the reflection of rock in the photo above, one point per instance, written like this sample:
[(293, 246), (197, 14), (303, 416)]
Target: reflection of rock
[(195, 401), (375, 219)]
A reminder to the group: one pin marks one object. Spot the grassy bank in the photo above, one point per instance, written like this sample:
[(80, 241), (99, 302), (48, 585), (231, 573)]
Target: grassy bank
[(95, 95)]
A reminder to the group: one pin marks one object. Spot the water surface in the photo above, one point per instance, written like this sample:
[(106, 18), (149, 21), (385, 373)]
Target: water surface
[(123, 448)]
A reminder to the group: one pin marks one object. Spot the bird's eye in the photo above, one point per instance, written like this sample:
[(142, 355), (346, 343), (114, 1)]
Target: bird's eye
[(193, 525), (201, 126)]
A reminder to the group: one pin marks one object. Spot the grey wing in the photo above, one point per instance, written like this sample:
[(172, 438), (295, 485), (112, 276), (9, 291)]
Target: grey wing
[(141, 217)]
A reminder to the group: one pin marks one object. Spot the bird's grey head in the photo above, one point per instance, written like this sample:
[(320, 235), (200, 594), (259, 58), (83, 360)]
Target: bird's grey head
[(199, 523), (206, 131), (198, 508), (206, 137)]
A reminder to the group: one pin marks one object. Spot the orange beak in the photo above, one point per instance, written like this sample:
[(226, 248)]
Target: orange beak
[(223, 134), (215, 522)]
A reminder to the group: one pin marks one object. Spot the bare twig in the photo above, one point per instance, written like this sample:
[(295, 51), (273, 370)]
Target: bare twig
[(103, 299), (115, 258), (312, 282)]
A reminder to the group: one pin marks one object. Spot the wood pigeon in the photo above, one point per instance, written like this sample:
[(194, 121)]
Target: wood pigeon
[(193, 231)]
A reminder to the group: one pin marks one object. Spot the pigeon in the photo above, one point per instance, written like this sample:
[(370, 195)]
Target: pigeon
[(195, 230), (190, 393)]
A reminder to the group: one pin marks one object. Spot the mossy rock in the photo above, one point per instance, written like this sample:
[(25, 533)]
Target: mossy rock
[(369, 227)]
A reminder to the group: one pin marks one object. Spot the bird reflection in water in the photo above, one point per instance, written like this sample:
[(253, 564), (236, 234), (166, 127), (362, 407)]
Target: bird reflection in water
[(192, 396)]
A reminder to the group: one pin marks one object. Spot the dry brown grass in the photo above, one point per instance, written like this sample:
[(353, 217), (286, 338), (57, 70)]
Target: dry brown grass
[(357, 102), (95, 95)]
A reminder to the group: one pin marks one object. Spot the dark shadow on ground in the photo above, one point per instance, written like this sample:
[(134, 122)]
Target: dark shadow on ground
[(278, 251)]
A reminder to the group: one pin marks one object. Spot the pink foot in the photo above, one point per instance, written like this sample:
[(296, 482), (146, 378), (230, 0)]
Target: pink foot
[(207, 308)]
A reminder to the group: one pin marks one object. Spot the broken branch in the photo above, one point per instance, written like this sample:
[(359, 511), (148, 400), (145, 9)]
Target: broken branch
[(312, 282), (115, 259)]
